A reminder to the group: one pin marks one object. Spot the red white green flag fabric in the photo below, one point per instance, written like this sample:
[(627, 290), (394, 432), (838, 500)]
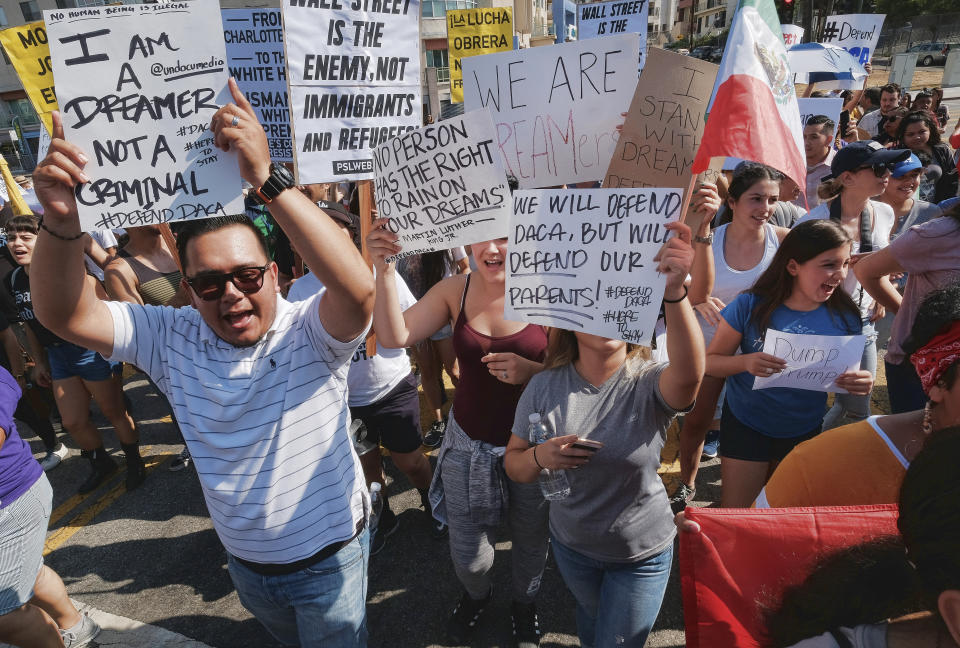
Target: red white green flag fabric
[(753, 113)]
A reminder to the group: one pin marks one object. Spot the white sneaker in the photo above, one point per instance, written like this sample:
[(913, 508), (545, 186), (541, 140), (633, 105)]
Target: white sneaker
[(81, 634), (53, 458)]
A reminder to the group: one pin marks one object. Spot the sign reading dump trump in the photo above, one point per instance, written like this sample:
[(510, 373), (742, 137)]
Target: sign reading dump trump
[(813, 361), (556, 109), (137, 86), (443, 185), (582, 259), (354, 77), (471, 32), (254, 39), (617, 17)]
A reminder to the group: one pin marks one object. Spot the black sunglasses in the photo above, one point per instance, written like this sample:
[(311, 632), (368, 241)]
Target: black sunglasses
[(879, 170), (209, 287)]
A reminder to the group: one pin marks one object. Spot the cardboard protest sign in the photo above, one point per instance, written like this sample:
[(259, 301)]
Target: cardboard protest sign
[(792, 35), (829, 106), (617, 17), (856, 33), (582, 259), (27, 48), (254, 40), (354, 79), (556, 108), (471, 32), (443, 185), (138, 85), (664, 123), (813, 361)]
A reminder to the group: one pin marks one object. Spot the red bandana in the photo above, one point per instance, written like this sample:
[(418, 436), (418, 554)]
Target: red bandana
[(933, 359)]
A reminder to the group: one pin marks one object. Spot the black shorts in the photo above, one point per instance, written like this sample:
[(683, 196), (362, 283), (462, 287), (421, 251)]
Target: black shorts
[(394, 420), (740, 441)]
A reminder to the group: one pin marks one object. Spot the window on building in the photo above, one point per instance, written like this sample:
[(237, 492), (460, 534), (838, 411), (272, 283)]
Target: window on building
[(440, 60), (3, 18), (66, 4), (439, 8), (22, 109), (31, 11)]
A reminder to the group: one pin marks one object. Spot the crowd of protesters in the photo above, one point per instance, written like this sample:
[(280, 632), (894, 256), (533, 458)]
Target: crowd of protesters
[(283, 408)]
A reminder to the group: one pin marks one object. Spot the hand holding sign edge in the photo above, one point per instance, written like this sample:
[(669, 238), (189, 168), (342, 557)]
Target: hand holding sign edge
[(57, 176), (235, 127), (675, 258)]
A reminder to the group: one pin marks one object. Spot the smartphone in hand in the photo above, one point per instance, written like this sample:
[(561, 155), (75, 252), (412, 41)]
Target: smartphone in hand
[(586, 444)]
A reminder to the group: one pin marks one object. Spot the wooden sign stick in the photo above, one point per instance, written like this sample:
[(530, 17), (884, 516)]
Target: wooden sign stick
[(365, 189)]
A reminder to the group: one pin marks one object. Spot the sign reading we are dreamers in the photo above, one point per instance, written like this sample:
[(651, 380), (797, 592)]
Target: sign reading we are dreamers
[(471, 32), (354, 77), (137, 86)]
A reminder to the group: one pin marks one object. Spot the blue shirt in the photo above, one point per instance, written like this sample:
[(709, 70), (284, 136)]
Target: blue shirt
[(18, 469), (779, 412)]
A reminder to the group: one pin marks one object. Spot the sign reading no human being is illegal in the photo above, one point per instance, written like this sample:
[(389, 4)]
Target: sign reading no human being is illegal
[(443, 185), (582, 259), (137, 86)]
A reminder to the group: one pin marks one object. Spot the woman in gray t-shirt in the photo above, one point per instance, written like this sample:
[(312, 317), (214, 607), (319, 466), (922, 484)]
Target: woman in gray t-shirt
[(613, 535)]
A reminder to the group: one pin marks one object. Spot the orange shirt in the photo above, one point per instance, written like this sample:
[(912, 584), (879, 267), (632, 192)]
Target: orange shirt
[(847, 466)]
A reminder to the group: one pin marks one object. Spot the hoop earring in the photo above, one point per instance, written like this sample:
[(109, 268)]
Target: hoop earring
[(927, 425)]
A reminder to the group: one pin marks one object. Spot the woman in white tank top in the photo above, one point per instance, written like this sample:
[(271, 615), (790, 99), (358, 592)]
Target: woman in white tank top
[(727, 262)]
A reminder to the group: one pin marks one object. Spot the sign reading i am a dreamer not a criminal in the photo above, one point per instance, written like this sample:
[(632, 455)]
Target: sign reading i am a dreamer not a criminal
[(471, 32), (556, 108), (443, 185), (354, 77), (138, 85), (582, 259), (254, 40), (27, 48)]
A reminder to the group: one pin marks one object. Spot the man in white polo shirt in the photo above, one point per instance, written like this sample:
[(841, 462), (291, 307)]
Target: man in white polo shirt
[(257, 384)]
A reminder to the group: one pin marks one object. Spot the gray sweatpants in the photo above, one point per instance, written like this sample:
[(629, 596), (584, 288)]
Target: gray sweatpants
[(472, 544)]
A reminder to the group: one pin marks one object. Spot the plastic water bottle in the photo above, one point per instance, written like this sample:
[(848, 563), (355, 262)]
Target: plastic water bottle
[(376, 506), (553, 483)]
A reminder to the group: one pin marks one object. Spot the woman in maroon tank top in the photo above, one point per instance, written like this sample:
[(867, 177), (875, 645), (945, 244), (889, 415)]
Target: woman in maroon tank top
[(470, 491)]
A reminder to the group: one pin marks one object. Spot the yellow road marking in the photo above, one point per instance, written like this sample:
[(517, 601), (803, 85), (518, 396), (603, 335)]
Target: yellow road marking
[(64, 533)]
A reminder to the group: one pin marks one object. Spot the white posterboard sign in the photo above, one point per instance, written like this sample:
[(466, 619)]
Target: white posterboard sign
[(792, 35), (829, 106), (137, 86), (856, 33), (254, 39), (813, 361), (44, 144), (556, 108), (582, 259), (617, 17), (443, 185), (354, 77)]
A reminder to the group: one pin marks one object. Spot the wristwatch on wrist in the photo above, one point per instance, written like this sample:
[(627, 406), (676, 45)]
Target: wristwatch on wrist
[(708, 239), (280, 180)]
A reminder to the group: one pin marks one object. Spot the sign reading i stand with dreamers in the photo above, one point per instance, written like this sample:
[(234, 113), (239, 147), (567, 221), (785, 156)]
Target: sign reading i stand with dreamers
[(582, 259), (856, 33), (471, 32), (138, 85), (354, 77), (617, 17), (443, 185), (254, 39), (26, 47), (556, 108)]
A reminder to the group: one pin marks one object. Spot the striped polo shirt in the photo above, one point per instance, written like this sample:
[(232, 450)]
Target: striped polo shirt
[(266, 425)]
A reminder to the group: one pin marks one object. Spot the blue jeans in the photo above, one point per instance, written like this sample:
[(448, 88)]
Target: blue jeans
[(850, 408), (322, 605), (904, 388), (617, 603)]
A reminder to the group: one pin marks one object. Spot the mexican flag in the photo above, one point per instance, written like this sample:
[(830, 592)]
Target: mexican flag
[(753, 113)]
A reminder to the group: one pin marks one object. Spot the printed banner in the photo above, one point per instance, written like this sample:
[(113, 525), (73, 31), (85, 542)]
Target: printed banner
[(856, 33), (582, 259), (813, 361), (254, 40), (138, 87), (29, 53), (617, 17), (664, 123), (443, 185), (829, 106), (556, 108), (354, 79), (792, 35), (471, 32)]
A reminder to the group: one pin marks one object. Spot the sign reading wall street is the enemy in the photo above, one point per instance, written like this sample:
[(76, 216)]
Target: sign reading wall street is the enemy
[(27, 48), (354, 77), (814, 362), (443, 185), (556, 108), (475, 31), (254, 39), (582, 259), (138, 85), (617, 17)]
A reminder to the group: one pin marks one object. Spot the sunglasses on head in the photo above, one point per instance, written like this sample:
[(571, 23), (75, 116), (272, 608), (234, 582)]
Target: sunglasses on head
[(209, 287), (879, 170)]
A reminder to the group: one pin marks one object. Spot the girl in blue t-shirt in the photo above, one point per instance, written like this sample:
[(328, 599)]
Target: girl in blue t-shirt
[(800, 292)]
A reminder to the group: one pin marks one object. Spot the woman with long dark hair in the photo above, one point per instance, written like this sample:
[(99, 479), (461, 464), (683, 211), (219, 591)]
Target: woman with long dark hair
[(920, 133)]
